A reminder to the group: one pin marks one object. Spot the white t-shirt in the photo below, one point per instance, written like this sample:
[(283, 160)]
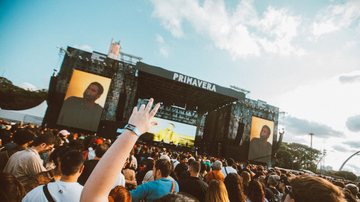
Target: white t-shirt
[(91, 154), (229, 169), (25, 164), (175, 162), (59, 190), (120, 181), (148, 177), (133, 162)]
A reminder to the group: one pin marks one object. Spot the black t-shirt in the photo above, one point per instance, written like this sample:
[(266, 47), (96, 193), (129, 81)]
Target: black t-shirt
[(194, 186), (89, 166)]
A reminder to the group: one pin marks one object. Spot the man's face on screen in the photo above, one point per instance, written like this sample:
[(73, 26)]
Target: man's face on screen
[(265, 133), (91, 93)]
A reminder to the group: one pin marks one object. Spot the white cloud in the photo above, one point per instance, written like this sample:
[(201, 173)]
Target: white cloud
[(336, 17), (163, 49), (171, 14), (241, 33), (350, 78), (353, 123), (300, 127), (327, 101), (160, 39)]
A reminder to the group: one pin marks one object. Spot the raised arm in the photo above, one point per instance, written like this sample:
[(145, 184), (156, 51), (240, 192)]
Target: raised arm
[(101, 180)]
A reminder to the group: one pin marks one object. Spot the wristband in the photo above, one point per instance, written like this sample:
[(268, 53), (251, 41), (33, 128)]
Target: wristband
[(133, 129)]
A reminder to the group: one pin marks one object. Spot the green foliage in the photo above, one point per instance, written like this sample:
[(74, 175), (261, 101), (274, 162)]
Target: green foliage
[(16, 98), (297, 156), (341, 174)]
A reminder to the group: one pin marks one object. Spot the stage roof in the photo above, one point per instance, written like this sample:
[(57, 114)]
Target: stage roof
[(179, 89)]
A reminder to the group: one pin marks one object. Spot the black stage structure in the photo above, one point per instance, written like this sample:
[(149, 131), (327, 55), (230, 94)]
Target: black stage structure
[(221, 115)]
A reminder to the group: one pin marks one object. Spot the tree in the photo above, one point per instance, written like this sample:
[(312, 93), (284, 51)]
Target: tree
[(296, 156), (342, 174), (16, 98)]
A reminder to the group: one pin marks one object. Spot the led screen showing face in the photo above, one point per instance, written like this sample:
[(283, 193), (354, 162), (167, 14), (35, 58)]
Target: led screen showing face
[(261, 137), (84, 101), (174, 132)]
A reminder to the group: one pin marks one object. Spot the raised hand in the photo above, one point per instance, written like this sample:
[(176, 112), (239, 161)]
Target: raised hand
[(142, 118)]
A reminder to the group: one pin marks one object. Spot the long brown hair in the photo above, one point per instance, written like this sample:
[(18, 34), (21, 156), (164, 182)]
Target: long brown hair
[(311, 188), (246, 177), (11, 189), (255, 191), (234, 188), (216, 192)]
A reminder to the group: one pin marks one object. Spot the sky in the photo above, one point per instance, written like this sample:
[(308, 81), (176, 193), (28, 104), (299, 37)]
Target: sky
[(301, 56)]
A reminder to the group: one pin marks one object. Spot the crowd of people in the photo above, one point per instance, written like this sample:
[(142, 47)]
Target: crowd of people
[(41, 164)]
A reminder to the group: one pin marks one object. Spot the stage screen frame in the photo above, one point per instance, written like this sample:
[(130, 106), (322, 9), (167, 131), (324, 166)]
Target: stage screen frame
[(182, 129), (78, 84), (257, 124)]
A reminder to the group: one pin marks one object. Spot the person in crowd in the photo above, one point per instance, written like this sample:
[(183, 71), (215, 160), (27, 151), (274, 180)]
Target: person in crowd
[(245, 178), (161, 185), (91, 150), (129, 174), (83, 112), (255, 192), (88, 147), (51, 175), (203, 171), (234, 188), (21, 140), (64, 136), (181, 169), (101, 180), (26, 164), (11, 189), (353, 191), (133, 160), (349, 196), (216, 192), (282, 185), (174, 159), (177, 197), (192, 184), (215, 173), (119, 194), (146, 166), (260, 148), (338, 183), (229, 168), (89, 166), (149, 176), (311, 188), (67, 188), (271, 192)]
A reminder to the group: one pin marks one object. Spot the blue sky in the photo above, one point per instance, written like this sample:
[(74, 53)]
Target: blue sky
[(302, 56)]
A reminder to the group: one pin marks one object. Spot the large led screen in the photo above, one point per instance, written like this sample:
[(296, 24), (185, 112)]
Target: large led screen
[(261, 137), (84, 101), (174, 132)]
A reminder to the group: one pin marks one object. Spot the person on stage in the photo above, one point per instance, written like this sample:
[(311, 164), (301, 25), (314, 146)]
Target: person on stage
[(82, 112)]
